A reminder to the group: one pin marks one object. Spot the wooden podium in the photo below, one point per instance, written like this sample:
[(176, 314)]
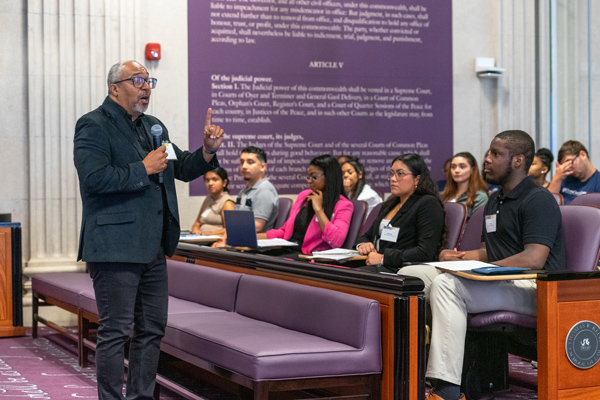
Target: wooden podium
[(563, 303), (11, 298)]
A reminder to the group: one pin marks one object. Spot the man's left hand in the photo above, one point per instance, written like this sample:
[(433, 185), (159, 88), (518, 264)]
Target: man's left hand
[(213, 134)]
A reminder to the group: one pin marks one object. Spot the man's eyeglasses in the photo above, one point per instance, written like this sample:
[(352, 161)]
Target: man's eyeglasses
[(314, 178), (397, 174), (138, 81)]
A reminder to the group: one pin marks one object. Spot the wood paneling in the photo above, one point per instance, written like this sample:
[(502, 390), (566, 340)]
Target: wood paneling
[(569, 314), (414, 348), (561, 304), (6, 300), (578, 290), (578, 394), (5, 277), (547, 321)]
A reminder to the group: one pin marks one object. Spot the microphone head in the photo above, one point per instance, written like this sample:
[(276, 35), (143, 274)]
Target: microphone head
[(156, 130)]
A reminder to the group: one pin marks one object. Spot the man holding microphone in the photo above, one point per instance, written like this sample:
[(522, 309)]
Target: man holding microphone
[(130, 221)]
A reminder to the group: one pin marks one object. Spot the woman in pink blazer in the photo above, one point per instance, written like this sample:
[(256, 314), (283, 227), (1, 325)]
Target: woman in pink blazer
[(321, 215)]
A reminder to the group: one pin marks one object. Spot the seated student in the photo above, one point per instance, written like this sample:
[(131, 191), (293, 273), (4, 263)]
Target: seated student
[(355, 187), (210, 218), (259, 195), (464, 184), (542, 163), (411, 224), (344, 158), (526, 233), (575, 175), (491, 187), (441, 184), (321, 215)]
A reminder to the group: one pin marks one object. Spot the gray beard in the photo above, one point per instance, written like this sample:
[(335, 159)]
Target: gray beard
[(139, 109)]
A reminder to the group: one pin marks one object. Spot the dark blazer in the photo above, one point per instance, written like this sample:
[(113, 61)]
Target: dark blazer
[(122, 218), (421, 221)]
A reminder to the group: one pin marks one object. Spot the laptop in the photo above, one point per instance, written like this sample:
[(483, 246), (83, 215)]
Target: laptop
[(241, 232), (240, 228)]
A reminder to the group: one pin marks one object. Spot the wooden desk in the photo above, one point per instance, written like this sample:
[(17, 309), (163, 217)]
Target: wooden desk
[(565, 299), (481, 277), (401, 299)]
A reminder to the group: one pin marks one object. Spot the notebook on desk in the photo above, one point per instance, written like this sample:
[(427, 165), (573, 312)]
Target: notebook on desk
[(241, 231)]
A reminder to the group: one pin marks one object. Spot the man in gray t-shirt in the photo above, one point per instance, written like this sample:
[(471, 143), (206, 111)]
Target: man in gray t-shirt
[(259, 195)]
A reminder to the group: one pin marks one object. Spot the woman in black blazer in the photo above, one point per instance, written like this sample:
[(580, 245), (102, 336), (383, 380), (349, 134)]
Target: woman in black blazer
[(411, 224)]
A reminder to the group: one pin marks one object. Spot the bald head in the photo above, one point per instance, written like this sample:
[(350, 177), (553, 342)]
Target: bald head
[(122, 90)]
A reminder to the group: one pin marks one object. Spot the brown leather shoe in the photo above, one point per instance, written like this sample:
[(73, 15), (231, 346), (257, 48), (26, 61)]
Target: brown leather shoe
[(433, 396)]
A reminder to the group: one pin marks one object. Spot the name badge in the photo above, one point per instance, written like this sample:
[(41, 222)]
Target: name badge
[(170, 151), (390, 233), (206, 212), (490, 223)]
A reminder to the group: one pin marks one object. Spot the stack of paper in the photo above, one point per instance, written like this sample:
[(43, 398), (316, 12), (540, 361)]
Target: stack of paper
[(199, 238), (465, 265), (334, 254), (274, 243)]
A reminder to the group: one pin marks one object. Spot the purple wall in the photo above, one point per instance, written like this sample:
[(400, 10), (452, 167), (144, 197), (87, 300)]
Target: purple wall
[(301, 78)]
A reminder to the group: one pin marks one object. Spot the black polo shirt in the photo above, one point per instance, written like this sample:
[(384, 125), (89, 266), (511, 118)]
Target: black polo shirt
[(528, 215)]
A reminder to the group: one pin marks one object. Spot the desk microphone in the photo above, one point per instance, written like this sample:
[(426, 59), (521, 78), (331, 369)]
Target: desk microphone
[(156, 131)]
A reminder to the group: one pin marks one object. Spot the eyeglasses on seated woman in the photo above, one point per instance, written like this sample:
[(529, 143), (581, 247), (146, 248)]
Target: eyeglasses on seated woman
[(321, 215), (411, 224)]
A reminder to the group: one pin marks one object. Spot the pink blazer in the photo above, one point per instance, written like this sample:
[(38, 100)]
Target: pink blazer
[(315, 240)]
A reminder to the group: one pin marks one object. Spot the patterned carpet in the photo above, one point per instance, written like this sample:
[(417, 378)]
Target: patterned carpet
[(47, 368)]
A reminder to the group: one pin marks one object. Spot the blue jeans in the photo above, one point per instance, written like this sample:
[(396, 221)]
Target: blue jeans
[(129, 293)]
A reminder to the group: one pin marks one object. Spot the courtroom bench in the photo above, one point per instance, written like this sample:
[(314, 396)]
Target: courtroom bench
[(261, 333)]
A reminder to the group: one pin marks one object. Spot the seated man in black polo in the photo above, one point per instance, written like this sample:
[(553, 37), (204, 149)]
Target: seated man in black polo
[(522, 228)]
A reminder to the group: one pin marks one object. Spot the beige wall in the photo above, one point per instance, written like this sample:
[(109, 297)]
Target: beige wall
[(120, 29)]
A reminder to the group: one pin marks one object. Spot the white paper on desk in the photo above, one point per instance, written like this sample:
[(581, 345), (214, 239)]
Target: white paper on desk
[(199, 237), (274, 243), (334, 254), (465, 265)]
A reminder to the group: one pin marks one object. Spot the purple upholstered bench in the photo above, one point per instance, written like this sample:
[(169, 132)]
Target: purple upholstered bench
[(197, 289), (264, 334), (61, 289), (283, 336)]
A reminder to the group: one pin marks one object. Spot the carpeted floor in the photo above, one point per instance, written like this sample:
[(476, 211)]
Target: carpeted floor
[(47, 368), (43, 368)]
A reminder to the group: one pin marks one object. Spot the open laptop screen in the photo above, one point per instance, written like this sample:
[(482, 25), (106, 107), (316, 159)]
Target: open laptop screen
[(240, 228)]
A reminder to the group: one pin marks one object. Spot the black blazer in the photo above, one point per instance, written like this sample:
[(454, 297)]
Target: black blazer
[(421, 221), (122, 217)]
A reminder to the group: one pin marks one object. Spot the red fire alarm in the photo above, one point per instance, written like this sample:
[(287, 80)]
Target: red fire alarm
[(153, 51)]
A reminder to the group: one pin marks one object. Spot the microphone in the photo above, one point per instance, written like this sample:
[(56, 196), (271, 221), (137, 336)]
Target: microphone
[(156, 131)]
